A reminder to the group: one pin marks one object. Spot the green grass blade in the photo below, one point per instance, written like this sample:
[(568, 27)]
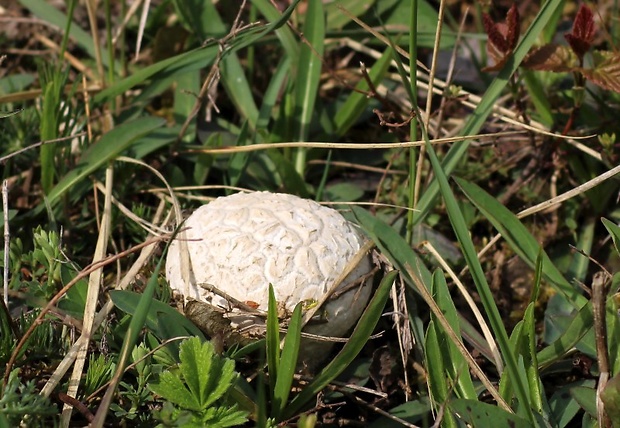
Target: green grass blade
[(519, 239), (136, 325), (308, 75), (272, 341), (529, 348), (105, 150), (194, 60), (270, 98), (49, 128), (579, 326), (163, 320), (187, 85), (614, 232), (486, 296), (288, 363), (400, 254), (238, 161), (284, 34), (48, 13), (539, 97), (455, 366), (354, 345), (200, 17), (188, 61), (289, 177), (434, 347), (484, 109), (336, 18), (238, 89), (474, 413), (354, 106)]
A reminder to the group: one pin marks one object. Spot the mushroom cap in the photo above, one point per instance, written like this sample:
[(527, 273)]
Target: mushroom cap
[(242, 243)]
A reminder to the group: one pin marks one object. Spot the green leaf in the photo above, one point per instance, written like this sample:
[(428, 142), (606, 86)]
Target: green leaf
[(351, 349), (238, 89), (183, 63), (586, 397), (580, 325), (614, 232), (288, 364), (478, 414), (308, 75), (284, 34), (349, 113), (441, 391), (272, 338), (455, 365), (486, 296), (563, 407), (611, 399), (202, 379), (485, 107), (200, 17), (103, 151), (519, 239), (162, 319), (172, 388)]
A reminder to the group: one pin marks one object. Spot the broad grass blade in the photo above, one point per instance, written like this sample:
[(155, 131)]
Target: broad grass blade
[(434, 348), (288, 363), (272, 340), (354, 106), (473, 412), (455, 366), (484, 109), (308, 75), (354, 345), (48, 13), (105, 150), (486, 296), (519, 238)]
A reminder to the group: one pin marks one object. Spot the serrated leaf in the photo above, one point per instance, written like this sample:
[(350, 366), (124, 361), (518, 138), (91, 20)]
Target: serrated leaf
[(495, 34), (202, 379), (513, 24), (172, 388), (581, 37), (552, 57), (606, 70), (502, 37)]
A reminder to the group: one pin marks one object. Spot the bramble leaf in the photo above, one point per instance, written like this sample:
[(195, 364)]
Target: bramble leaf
[(581, 37), (606, 70), (503, 37), (552, 57), (202, 379)]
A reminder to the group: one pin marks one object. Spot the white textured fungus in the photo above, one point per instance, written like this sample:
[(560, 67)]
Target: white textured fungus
[(242, 243)]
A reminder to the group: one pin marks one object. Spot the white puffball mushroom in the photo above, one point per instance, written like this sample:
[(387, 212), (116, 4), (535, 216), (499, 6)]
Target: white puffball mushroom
[(241, 243)]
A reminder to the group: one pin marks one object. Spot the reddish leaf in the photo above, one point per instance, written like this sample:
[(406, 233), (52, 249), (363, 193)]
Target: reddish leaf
[(496, 38), (581, 37), (606, 70), (502, 37), (551, 57), (513, 30), (499, 62)]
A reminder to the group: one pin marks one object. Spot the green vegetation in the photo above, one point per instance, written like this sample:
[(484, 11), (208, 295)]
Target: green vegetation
[(488, 186)]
